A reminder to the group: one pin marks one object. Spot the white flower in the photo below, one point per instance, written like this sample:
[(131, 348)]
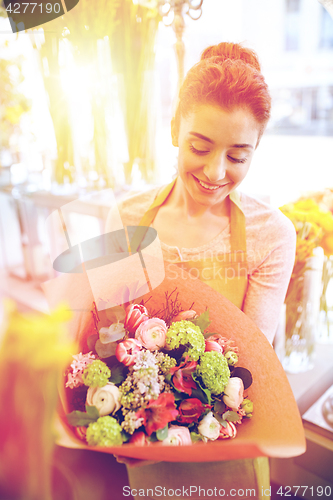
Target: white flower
[(209, 427), (177, 436), (233, 393), (106, 399)]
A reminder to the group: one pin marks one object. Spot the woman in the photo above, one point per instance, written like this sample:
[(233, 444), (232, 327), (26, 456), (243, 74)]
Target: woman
[(238, 245)]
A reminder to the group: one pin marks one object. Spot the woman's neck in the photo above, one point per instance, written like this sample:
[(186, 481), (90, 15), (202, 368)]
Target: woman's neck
[(181, 200)]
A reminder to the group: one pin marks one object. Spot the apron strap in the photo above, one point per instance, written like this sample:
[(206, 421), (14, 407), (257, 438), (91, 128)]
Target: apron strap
[(150, 215), (237, 224)]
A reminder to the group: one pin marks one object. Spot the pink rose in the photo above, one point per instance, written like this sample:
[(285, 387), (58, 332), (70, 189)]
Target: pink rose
[(127, 351), (135, 315), (177, 436), (185, 315), (229, 431), (233, 393), (151, 333), (211, 345)]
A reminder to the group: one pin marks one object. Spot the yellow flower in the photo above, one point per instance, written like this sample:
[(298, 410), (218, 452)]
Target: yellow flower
[(327, 244), (37, 340), (307, 204)]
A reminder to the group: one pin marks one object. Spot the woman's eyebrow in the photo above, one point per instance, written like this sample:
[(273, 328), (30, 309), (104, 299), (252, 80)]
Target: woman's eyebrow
[(203, 137), (242, 146)]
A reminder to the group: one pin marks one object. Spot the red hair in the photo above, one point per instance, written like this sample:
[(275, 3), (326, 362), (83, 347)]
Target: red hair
[(228, 75)]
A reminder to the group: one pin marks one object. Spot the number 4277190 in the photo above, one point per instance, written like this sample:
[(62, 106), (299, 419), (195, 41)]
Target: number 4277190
[(29, 8), (301, 491)]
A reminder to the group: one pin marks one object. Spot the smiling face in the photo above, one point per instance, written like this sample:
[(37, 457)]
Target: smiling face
[(215, 152)]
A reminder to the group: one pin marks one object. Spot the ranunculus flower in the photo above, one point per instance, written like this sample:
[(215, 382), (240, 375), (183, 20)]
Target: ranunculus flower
[(233, 393), (185, 315), (228, 432), (209, 427), (190, 410), (106, 399), (139, 438), (151, 333), (177, 436), (211, 345), (158, 413), (135, 315), (226, 344), (127, 351), (182, 376)]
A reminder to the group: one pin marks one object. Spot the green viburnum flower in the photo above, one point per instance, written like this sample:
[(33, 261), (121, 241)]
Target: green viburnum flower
[(231, 358), (104, 432), (97, 374), (214, 371), (247, 406), (187, 334)]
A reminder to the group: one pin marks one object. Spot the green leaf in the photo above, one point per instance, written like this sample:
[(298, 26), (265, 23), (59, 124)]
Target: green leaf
[(125, 436), (179, 396), (116, 313), (81, 418), (195, 437), (117, 374), (219, 418), (162, 434), (209, 334), (201, 392), (152, 438), (202, 321), (219, 407), (231, 416)]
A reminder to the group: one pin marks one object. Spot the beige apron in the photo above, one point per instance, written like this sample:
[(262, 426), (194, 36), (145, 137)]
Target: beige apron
[(227, 274)]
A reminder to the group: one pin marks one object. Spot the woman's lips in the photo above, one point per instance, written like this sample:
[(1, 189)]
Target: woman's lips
[(206, 187)]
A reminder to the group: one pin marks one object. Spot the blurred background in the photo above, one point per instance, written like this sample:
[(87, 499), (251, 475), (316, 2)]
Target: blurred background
[(86, 102)]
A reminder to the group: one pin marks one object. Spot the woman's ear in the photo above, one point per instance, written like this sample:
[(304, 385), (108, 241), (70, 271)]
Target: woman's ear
[(174, 132)]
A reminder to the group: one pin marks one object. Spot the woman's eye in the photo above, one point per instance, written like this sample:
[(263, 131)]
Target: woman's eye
[(198, 151), (237, 160)]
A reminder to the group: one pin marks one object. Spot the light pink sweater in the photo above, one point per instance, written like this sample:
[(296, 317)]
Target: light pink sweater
[(270, 240)]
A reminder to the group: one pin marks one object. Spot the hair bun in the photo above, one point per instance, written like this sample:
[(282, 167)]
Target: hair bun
[(233, 51)]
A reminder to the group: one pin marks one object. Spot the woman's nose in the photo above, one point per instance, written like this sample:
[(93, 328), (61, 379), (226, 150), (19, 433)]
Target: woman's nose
[(216, 169)]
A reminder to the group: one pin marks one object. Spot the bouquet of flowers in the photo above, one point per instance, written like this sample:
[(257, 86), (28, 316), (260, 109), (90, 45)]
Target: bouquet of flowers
[(174, 374), (157, 378)]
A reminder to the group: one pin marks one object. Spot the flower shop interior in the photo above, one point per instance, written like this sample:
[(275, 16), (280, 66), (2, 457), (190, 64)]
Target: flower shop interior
[(86, 102)]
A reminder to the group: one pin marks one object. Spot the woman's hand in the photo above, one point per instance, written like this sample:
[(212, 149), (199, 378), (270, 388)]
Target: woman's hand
[(134, 462)]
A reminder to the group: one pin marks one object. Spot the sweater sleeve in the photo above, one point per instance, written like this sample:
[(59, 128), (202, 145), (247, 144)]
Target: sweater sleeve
[(268, 280)]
